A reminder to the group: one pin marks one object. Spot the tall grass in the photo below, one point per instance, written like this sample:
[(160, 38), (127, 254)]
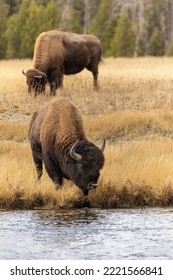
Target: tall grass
[(132, 111)]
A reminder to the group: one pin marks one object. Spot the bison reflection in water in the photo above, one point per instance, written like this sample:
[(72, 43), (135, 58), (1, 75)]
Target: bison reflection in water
[(57, 53), (58, 139)]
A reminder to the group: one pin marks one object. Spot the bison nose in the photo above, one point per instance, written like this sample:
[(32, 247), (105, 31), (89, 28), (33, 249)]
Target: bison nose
[(92, 186), (85, 192)]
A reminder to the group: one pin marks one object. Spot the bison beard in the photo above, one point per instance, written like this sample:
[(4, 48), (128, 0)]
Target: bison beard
[(58, 140)]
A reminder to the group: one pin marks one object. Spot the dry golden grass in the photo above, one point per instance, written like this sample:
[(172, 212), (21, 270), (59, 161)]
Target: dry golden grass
[(133, 111)]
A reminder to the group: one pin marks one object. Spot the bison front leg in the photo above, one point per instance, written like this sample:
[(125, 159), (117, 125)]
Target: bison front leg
[(54, 86), (53, 171), (55, 80), (53, 89)]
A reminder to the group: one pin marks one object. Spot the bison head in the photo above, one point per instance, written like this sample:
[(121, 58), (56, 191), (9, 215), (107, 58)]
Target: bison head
[(36, 81), (89, 160)]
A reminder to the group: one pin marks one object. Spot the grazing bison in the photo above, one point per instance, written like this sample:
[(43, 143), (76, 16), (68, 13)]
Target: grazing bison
[(58, 140), (57, 53)]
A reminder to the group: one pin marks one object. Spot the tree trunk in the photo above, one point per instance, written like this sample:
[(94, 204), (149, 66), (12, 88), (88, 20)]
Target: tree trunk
[(87, 15)]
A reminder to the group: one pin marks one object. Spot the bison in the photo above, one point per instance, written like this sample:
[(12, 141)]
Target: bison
[(57, 53), (58, 140)]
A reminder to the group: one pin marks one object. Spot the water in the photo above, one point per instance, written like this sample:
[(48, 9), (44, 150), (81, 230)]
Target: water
[(87, 234)]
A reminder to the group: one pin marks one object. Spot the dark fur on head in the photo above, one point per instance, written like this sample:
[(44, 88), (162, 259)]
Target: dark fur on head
[(86, 171)]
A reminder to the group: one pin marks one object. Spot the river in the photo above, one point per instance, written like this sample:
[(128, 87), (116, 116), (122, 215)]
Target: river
[(87, 234)]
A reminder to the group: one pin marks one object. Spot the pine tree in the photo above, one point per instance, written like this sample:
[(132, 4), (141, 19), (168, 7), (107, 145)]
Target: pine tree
[(123, 42), (107, 36), (27, 24), (4, 10), (125, 28), (13, 6), (30, 29), (102, 25), (156, 43), (77, 16), (99, 22), (14, 30)]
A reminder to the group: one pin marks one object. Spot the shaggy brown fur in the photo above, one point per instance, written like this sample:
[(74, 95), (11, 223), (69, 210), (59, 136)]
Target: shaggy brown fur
[(52, 133), (57, 53)]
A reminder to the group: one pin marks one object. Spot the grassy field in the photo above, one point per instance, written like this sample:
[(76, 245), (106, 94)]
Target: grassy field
[(133, 111)]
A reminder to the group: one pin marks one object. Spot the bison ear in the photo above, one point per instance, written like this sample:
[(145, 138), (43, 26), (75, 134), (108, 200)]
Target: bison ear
[(73, 154), (103, 146)]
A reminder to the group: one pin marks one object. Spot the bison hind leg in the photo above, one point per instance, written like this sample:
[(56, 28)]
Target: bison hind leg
[(94, 70), (39, 166)]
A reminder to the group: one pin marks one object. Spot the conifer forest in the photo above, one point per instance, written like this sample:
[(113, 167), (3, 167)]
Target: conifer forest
[(126, 28)]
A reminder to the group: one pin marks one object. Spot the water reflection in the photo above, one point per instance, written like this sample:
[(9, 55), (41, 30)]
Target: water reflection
[(87, 234), (66, 218)]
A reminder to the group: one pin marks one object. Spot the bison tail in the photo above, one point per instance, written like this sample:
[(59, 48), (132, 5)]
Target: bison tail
[(101, 61)]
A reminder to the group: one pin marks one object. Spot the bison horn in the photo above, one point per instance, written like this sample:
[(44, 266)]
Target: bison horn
[(73, 154), (23, 72), (103, 146), (38, 77)]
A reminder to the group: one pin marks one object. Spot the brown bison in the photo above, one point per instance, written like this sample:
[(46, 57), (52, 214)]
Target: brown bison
[(58, 140), (57, 53)]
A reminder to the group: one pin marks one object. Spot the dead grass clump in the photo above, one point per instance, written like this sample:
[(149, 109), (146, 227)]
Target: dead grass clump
[(144, 162), (17, 131), (130, 196), (120, 125), (128, 125)]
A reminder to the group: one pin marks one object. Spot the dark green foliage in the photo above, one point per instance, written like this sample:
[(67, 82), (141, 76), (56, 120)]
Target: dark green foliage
[(156, 43), (24, 27), (123, 42), (39, 19), (15, 27), (99, 22), (107, 37), (13, 6), (4, 11), (170, 53), (142, 48), (77, 17), (125, 28)]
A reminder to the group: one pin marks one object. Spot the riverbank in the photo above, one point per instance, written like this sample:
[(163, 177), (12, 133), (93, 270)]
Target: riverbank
[(132, 111)]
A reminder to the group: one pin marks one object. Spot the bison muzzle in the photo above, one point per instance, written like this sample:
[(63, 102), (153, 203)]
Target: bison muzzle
[(58, 140)]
